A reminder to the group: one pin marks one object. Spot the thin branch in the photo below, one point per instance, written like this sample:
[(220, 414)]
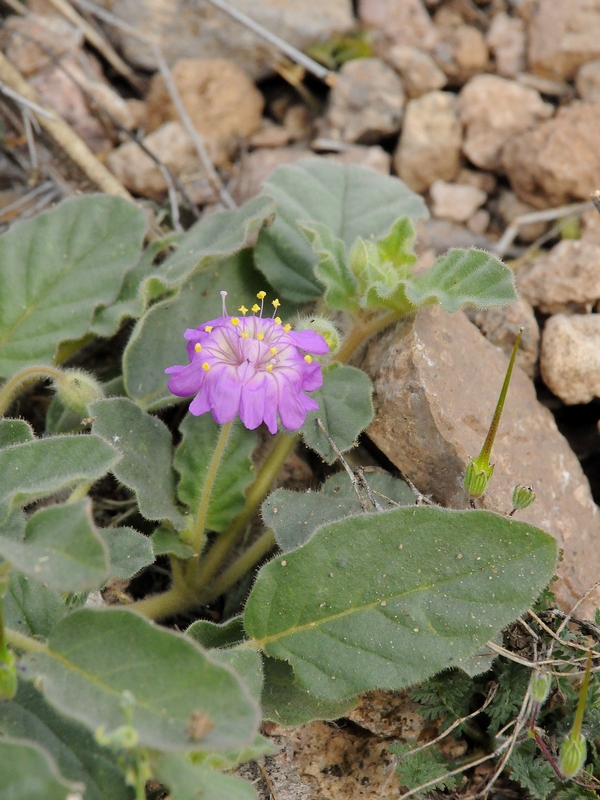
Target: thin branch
[(25, 101), (547, 215)]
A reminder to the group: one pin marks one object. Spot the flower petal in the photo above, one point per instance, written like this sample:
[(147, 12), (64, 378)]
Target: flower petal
[(224, 392), (311, 341), (187, 380), (252, 402)]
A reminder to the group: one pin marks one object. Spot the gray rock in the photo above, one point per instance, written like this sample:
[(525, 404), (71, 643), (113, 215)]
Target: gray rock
[(570, 357), (419, 72), (406, 22), (437, 382)]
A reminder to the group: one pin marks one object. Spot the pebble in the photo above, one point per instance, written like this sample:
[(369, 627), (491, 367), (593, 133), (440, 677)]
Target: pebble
[(563, 36), (570, 357), (455, 201), (507, 40), (419, 72)]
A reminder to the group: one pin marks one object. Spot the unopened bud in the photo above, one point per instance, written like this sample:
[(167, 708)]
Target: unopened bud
[(572, 755), (540, 686), (76, 390), (477, 476), (8, 676), (523, 496), (323, 326)]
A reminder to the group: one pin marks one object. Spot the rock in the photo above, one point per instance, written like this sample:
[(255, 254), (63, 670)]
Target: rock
[(507, 41), (479, 222), (406, 22), (419, 72), (590, 226), (454, 201), (429, 147), (588, 81), (563, 36), (510, 207), (461, 52), (257, 166), (559, 161), (567, 279), (183, 30), (437, 382), (440, 235), (299, 123), (365, 103), (493, 110), (390, 714), (374, 157), (34, 42), (570, 357), (220, 98), (501, 327), (122, 111), (270, 134), (486, 181)]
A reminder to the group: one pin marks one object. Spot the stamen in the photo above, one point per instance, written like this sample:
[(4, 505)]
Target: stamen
[(208, 328), (261, 296), (255, 308), (197, 347), (205, 367), (243, 310), (223, 296), (244, 335), (275, 303), (273, 351), (308, 359), (260, 337), (269, 368), (278, 320), (234, 321), (287, 328)]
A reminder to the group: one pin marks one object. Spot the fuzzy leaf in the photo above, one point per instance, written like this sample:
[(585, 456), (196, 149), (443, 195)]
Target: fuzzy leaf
[(166, 542), (403, 606), (188, 781), (192, 459), (341, 292), (345, 409), (57, 269), (146, 448), (210, 635), (95, 656), (30, 607), (27, 772), (14, 431), (129, 551), (350, 201)]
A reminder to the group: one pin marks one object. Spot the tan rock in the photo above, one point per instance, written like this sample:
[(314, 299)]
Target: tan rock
[(299, 123), (270, 134), (222, 101), (494, 109), (559, 161), (486, 181), (429, 147), (366, 102), (34, 43), (567, 279), (455, 201), (119, 109), (510, 207), (419, 72), (588, 81), (437, 382), (479, 222), (374, 157), (507, 41), (406, 22), (461, 52), (257, 166), (570, 357), (563, 36)]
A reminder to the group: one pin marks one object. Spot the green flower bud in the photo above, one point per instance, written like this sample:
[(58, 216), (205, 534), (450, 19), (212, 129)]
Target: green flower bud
[(125, 737), (523, 496), (8, 676), (541, 683), (572, 754), (477, 476), (323, 326), (76, 390)]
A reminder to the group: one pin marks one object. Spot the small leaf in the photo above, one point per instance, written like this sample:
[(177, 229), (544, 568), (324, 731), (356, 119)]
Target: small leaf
[(30, 607), (60, 548), (56, 269), (423, 766), (345, 409), (129, 551), (342, 288), (386, 600), (350, 201), (94, 656), (236, 472), (188, 781), (146, 447), (210, 635), (14, 431), (166, 542), (246, 663), (464, 278), (27, 772), (73, 748)]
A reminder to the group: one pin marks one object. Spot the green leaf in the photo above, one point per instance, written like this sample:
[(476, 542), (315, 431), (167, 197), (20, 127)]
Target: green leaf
[(60, 548), (386, 600), (464, 278), (41, 467), (294, 516), (188, 781), (73, 748), (94, 656), (129, 551), (246, 663), (210, 241), (532, 772), (30, 607), (146, 448), (342, 288), (351, 201), (157, 340), (345, 409), (210, 635), (56, 269), (166, 542), (415, 769), (27, 772), (236, 471), (286, 702), (14, 431)]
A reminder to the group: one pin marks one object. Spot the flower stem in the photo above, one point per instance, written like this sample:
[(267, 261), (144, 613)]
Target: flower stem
[(23, 642), (241, 566), (363, 331), (15, 385), (176, 600)]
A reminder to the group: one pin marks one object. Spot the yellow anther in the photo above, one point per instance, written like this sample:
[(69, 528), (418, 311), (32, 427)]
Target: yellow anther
[(260, 337), (208, 328), (308, 359), (261, 295), (197, 347), (235, 321), (205, 367), (278, 320), (275, 303), (244, 335), (287, 328), (273, 351), (269, 367), (243, 310), (256, 308)]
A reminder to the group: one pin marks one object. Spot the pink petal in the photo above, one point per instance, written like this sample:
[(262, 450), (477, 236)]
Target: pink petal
[(312, 378), (311, 341), (291, 410), (187, 380), (224, 391), (200, 404), (252, 404)]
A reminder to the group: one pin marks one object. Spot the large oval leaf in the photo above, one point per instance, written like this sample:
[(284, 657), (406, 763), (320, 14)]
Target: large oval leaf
[(27, 772)]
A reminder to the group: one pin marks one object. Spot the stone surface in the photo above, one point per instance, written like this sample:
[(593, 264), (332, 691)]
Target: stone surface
[(570, 357), (220, 98), (563, 36), (429, 147), (479, 222), (390, 714), (510, 207), (559, 161), (419, 72), (501, 327), (184, 30), (32, 42), (365, 103), (455, 201), (122, 111), (567, 279), (587, 82), (461, 52), (405, 22), (506, 38), (494, 109), (437, 382)]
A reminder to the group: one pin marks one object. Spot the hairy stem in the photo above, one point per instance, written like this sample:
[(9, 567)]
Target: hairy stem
[(23, 642), (176, 600), (361, 332), (15, 385), (240, 566)]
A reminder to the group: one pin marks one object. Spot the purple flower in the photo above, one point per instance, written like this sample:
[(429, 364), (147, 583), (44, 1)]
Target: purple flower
[(250, 366)]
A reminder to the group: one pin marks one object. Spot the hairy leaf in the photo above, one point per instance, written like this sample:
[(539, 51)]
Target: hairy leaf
[(129, 551), (210, 635), (14, 431), (27, 772), (166, 542), (30, 607), (332, 270), (188, 781)]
